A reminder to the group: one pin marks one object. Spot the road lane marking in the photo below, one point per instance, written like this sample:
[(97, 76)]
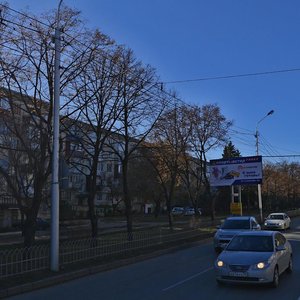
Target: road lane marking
[(187, 279)]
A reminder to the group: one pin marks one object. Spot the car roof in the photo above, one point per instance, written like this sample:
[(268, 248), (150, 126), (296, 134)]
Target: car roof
[(277, 214), (258, 233), (239, 218)]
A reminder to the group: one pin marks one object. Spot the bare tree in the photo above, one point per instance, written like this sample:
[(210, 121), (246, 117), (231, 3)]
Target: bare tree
[(27, 80), (143, 180), (95, 108), (210, 131), (169, 143), (141, 106)]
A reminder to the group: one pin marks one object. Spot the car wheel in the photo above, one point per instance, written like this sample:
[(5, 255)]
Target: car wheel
[(290, 266), (275, 282)]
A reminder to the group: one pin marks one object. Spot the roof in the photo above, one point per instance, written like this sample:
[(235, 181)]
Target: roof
[(258, 232), (239, 217)]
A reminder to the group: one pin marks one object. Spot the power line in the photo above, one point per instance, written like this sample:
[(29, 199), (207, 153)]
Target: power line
[(232, 76), (157, 85), (146, 91)]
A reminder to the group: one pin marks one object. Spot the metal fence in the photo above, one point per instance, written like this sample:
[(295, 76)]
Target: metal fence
[(25, 260)]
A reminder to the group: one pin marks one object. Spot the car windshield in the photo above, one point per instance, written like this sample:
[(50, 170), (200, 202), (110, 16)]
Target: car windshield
[(276, 217), (254, 243), (236, 224)]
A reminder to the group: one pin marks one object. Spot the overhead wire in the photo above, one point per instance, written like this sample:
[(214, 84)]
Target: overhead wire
[(158, 84), (232, 76), (148, 91)]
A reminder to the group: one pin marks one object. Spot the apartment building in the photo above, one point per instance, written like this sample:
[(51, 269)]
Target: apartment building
[(19, 146)]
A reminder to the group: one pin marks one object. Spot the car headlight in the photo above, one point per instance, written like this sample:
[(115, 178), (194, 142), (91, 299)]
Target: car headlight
[(266, 223), (220, 263), (262, 265)]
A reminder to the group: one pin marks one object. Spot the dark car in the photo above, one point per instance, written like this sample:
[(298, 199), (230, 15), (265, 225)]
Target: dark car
[(42, 224)]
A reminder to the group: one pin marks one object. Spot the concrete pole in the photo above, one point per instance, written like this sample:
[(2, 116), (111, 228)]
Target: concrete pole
[(259, 185), (54, 252), (260, 202), (240, 198)]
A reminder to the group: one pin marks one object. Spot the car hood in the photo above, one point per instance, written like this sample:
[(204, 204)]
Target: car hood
[(229, 233), (244, 257)]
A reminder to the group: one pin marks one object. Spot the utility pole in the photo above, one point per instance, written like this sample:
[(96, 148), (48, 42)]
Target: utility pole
[(259, 185), (54, 254)]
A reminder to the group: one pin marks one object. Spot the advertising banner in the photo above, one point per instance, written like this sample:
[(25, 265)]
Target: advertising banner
[(236, 171)]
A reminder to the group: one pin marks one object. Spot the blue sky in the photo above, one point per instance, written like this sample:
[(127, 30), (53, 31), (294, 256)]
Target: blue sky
[(197, 39)]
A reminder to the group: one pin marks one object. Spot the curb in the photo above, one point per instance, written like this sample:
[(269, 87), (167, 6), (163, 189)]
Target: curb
[(61, 278)]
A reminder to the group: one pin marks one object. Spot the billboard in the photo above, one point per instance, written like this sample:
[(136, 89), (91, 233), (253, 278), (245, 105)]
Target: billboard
[(236, 171)]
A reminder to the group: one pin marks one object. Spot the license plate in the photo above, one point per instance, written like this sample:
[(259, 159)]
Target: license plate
[(238, 274)]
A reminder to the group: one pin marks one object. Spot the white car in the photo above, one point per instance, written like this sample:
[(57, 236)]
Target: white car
[(177, 211), (191, 211), (277, 221), (231, 227), (255, 257)]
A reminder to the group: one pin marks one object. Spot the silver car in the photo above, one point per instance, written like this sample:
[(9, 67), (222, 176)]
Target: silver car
[(255, 257), (277, 221), (232, 226)]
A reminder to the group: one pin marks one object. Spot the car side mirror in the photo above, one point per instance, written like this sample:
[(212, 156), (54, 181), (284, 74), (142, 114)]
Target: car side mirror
[(256, 227)]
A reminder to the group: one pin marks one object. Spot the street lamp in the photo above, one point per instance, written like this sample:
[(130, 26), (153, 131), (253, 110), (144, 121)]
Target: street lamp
[(54, 257), (259, 185)]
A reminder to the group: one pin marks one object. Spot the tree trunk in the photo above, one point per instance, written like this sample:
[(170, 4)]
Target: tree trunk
[(170, 217), (93, 217), (29, 230), (91, 184), (94, 225), (157, 208), (127, 200)]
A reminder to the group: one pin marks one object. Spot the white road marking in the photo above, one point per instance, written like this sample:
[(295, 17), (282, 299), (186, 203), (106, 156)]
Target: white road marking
[(187, 279)]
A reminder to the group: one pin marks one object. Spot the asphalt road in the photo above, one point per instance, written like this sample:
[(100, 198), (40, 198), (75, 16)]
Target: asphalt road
[(186, 274)]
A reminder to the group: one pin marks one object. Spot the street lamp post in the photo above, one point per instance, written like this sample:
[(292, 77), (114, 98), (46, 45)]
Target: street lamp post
[(257, 153), (54, 257)]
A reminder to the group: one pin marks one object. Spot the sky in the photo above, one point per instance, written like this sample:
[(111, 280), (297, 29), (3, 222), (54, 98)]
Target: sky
[(198, 39)]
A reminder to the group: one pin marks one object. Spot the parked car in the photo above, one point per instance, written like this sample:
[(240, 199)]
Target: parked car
[(42, 224), (255, 257), (176, 211), (232, 226), (190, 211), (17, 224), (277, 221)]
